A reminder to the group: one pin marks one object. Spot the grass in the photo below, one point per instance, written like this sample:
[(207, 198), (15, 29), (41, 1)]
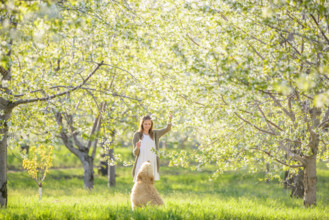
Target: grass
[(188, 195)]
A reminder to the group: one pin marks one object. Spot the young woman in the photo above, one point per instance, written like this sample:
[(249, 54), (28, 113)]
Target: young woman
[(145, 143)]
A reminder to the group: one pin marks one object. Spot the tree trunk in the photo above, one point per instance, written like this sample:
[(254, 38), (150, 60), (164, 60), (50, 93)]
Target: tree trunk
[(310, 181), (3, 154), (286, 179), (267, 171), (310, 178), (295, 183), (88, 166), (3, 170), (103, 164), (103, 167), (40, 193), (111, 170), (297, 186)]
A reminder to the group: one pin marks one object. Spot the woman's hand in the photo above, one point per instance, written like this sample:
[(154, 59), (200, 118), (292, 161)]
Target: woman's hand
[(170, 117), (139, 144)]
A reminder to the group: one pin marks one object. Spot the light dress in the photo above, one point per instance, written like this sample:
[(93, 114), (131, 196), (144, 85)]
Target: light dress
[(145, 154)]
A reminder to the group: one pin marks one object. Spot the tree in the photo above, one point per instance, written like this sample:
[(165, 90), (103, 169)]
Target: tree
[(250, 75), (54, 48), (259, 85), (81, 150), (110, 163), (30, 30), (38, 164)]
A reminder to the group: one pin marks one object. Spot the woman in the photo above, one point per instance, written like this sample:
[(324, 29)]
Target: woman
[(146, 143)]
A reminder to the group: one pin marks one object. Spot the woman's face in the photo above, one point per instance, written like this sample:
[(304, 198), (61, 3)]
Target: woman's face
[(147, 125)]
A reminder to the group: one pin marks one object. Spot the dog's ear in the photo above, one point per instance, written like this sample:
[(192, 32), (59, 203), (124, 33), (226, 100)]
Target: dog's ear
[(152, 179)]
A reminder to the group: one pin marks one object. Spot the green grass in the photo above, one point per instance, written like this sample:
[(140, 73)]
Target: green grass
[(187, 195)]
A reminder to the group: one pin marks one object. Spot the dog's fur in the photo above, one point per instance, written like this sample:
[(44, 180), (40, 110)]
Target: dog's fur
[(144, 192)]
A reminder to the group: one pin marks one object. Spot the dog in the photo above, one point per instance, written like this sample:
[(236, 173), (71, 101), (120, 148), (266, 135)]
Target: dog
[(143, 191)]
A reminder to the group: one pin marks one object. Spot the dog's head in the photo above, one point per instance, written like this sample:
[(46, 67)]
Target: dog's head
[(145, 173)]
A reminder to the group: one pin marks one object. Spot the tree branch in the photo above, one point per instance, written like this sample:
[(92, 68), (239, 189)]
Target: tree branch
[(256, 51), (323, 123), (288, 41), (277, 160), (184, 97), (122, 70), (93, 130), (277, 126), (4, 72), (96, 139), (268, 124), (294, 18), (283, 108), (95, 100), (66, 140), (293, 155), (267, 132), (69, 120), (59, 94), (83, 87), (325, 118), (323, 34), (192, 40), (103, 105), (295, 33)]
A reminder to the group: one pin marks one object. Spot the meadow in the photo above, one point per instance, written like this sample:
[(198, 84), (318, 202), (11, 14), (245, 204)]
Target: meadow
[(187, 195)]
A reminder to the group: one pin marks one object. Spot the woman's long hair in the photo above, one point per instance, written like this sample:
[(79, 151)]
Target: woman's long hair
[(141, 129)]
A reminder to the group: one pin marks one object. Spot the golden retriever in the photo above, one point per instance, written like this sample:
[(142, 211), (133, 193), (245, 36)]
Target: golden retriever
[(144, 192)]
